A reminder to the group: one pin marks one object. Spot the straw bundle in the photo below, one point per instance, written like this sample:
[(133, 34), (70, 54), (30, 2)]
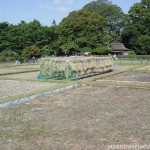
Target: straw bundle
[(69, 67)]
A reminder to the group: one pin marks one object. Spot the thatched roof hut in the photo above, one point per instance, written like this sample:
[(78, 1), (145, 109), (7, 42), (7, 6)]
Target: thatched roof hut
[(119, 49)]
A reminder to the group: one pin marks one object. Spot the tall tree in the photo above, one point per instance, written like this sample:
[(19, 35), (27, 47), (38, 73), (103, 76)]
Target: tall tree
[(80, 29), (4, 36), (137, 31), (17, 37), (111, 12)]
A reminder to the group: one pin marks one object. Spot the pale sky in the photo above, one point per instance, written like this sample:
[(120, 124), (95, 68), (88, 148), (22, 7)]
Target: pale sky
[(13, 11)]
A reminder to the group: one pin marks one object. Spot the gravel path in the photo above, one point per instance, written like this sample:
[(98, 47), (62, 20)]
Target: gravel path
[(30, 75), (18, 68), (10, 88)]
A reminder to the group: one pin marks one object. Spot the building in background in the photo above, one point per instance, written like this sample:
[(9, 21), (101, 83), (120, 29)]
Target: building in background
[(119, 49)]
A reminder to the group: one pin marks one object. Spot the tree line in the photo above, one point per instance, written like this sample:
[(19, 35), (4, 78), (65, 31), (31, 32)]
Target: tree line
[(90, 29)]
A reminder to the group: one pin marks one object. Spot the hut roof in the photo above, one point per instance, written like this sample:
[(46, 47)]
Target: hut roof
[(118, 47)]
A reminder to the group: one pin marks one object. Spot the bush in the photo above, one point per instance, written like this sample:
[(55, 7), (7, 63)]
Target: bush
[(31, 51), (2, 58), (85, 49), (8, 55), (10, 58), (132, 53), (102, 50)]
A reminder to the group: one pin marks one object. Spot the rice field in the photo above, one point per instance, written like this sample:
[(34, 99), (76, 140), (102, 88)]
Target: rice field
[(94, 116), (13, 89), (87, 118), (4, 70)]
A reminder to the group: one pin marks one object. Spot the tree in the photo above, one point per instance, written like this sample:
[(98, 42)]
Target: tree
[(17, 37), (80, 29), (136, 33), (31, 51), (8, 55), (54, 23), (111, 12), (102, 50), (143, 44), (4, 36)]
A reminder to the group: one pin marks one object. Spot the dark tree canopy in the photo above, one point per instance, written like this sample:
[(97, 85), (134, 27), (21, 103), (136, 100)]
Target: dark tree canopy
[(80, 29), (137, 30), (16, 38), (111, 12)]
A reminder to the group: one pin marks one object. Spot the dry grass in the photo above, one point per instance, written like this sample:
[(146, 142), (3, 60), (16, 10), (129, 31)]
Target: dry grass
[(86, 118), (4, 70), (78, 119)]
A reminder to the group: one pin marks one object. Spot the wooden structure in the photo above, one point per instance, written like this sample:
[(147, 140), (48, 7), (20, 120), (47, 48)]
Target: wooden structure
[(119, 49)]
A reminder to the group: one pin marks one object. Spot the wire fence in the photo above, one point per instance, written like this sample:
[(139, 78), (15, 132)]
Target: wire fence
[(11, 63), (132, 61)]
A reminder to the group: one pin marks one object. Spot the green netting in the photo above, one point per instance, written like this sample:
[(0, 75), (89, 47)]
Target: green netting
[(73, 67), (55, 69)]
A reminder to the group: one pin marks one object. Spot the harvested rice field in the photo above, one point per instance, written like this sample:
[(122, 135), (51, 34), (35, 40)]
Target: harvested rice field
[(129, 77), (123, 67), (11, 88), (85, 118), (14, 69), (25, 76), (144, 69)]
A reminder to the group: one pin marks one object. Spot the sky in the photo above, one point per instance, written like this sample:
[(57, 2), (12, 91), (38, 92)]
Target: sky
[(14, 11)]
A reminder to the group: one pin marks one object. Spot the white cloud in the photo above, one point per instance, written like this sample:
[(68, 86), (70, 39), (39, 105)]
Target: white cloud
[(70, 1), (58, 5), (57, 1), (63, 1), (63, 9), (45, 6)]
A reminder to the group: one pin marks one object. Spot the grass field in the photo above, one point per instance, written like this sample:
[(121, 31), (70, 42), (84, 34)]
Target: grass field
[(109, 109)]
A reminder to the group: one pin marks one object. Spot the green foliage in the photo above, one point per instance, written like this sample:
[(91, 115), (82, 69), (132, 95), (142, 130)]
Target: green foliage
[(18, 37), (8, 55), (2, 58), (86, 49), (80, 29), (112, 13), (69, 47), (31, 51), (132, 53), (90, 29), (136, 33), (47, 51), (143, 44), (102, 50)]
